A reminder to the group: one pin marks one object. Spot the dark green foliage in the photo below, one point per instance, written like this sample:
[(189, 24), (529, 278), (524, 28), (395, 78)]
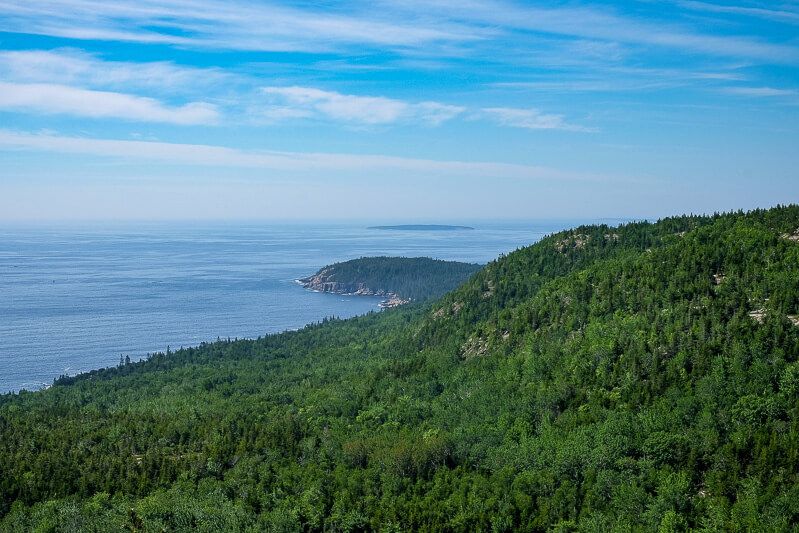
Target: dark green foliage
[(640, 378), (413, 278)]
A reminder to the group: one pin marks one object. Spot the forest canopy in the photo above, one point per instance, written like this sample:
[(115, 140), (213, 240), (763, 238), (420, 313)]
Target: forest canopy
[(409, 278)]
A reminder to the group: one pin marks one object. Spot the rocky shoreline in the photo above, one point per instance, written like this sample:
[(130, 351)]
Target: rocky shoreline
[(321, 282)]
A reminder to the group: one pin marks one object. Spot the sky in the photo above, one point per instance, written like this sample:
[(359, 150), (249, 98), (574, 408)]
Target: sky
[(395, 110)]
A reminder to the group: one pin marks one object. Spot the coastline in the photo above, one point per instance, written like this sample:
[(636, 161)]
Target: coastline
[(317, 283)]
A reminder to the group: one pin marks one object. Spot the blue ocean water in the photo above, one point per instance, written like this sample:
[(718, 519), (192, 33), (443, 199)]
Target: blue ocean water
[(75, 298)]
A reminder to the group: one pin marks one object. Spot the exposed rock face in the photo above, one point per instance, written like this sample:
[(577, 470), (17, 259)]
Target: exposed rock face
[(794, 237), (322, 281), (574, 241)]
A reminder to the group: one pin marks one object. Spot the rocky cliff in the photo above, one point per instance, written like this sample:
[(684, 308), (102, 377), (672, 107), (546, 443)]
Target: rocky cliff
[(323, 281)]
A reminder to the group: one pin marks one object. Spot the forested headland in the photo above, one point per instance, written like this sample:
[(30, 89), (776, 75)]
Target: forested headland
[(400, 279), (643, 377)]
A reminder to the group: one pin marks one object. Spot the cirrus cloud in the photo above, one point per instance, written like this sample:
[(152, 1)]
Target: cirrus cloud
[(68, 66), (309, 102), (285, 162), (48, 98), (531, 119)]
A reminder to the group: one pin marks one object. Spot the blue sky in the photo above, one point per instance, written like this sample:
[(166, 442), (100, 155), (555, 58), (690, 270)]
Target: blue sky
[(396, 109)]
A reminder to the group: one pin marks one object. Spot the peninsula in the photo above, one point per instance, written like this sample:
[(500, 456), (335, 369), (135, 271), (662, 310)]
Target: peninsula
[(399, 280)]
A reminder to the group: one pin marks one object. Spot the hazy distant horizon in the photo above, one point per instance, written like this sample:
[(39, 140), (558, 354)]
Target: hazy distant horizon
[(366, 223), (458, 218)]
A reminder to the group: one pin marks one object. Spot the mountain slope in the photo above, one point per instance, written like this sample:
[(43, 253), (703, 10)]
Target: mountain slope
[(637, 378)]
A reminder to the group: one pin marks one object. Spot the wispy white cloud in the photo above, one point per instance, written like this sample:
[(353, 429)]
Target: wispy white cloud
[(305, 102), (435, 113), (285, 162), (603, 25), (76, 67), (760, 91), (62, 99), (69, 81), (59, 81), (615, 78), (531, 119), (780, 15), (225, 24), (442, 28)]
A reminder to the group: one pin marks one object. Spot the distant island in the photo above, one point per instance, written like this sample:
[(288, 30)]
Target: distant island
[(422, 227), (399, 280)]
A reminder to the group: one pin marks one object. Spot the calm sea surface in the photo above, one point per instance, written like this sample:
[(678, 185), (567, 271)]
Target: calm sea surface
[(74, 298)]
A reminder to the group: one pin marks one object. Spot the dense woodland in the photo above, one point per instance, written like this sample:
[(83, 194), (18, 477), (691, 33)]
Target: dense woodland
[(638, 378), (411, 278)]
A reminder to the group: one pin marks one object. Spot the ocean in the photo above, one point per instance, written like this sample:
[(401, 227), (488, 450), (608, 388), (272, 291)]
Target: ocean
[(77, 297)]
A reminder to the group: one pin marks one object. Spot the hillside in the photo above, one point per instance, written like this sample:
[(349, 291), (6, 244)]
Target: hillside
[(643, 377), (399, 279)]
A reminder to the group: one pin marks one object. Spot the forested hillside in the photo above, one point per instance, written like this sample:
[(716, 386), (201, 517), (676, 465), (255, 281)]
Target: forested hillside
[(644, 377), (407, 278)]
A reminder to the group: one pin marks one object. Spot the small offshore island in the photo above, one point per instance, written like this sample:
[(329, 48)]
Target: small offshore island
[(422, 227), (399, 280)]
